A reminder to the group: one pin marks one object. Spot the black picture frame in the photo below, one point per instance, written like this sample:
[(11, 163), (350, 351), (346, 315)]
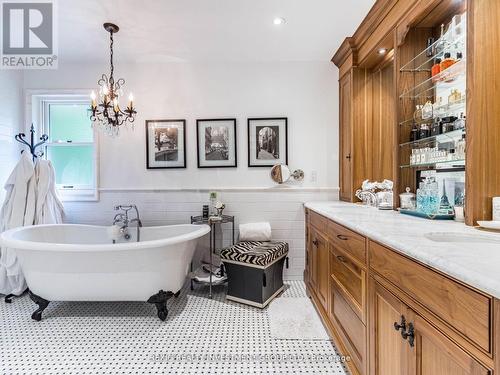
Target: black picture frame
[(148, 161), (249, 142), (198, 144)]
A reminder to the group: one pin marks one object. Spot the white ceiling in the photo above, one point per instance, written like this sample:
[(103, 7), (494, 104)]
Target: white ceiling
[(207, 30)]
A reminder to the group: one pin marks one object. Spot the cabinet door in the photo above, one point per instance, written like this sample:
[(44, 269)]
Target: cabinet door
[(433, 354), (389, 352), (345, 138), (319, 266)]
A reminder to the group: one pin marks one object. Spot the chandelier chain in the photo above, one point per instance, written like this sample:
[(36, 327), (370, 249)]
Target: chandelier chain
[(111, 79)]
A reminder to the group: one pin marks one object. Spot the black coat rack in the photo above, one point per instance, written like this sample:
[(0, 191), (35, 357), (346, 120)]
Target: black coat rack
[(32, 145)]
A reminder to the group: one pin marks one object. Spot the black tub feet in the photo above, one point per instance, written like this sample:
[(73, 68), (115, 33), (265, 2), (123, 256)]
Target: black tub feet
[(42, 305), (160, 300)]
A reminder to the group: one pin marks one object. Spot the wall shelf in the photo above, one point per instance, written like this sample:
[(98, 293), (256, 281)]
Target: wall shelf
[(440, 138), (458, 106), (447, 79), (423, 63), (454, 164)]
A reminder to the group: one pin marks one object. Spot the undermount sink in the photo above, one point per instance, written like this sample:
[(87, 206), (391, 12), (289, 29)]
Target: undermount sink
[(461, 237)]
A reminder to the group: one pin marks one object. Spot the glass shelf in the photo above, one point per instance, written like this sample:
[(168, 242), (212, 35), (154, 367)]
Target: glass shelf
[(454, 164), (423, 63), (445, 108), (440, 138), (425, 89)]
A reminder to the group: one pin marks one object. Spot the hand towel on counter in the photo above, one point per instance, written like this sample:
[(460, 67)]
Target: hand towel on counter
[(255, 232)]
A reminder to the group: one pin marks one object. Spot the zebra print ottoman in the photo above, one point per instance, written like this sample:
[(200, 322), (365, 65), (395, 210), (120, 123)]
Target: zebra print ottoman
[(255, 271)]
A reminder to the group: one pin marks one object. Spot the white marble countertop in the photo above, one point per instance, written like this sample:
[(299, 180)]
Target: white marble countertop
[(464, 253)]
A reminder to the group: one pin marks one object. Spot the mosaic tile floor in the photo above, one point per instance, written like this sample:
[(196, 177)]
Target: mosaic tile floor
[(200, 336)]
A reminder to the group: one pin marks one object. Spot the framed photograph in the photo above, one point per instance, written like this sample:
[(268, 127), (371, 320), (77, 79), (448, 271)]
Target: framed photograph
[(267, 141), (216, 143), (165, 144)]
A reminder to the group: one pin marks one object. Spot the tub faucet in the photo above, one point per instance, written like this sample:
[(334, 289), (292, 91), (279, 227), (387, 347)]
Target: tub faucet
[(124, 220)]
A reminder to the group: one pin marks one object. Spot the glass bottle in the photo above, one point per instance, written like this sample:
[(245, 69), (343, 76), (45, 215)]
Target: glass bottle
[(447, 62), (424, 131), (436, 69), (427, 110)]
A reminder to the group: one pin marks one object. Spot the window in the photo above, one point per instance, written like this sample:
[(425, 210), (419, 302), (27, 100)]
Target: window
[(72, 144)]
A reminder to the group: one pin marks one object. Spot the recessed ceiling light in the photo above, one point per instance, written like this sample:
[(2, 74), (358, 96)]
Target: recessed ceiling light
[(382, 51), (279, 21)]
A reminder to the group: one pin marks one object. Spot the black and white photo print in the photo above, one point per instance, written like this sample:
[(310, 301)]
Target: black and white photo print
[(267, 142), (216, 143), (166, 144)]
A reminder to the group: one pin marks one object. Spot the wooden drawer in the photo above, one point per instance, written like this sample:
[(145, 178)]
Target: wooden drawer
[(462, 308), (351, 330), (351, 280), (351, 242), (318, 221)]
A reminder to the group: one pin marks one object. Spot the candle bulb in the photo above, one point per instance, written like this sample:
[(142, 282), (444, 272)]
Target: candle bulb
[(131, 101), (115, 105), (93, 97)]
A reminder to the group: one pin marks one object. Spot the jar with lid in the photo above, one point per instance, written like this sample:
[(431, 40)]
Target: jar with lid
[(407, 200)]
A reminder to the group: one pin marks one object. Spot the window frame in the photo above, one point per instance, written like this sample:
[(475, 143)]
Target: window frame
[(37, 108)]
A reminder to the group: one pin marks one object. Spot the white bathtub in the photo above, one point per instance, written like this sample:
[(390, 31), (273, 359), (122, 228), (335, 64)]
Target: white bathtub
[(66, 262)]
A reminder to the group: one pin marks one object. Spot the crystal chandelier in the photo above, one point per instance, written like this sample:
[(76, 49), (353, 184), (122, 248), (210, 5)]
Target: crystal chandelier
[(107, 114)]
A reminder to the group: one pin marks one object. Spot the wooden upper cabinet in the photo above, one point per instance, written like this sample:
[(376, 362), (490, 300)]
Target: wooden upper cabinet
[(345, 138), (374, 118)]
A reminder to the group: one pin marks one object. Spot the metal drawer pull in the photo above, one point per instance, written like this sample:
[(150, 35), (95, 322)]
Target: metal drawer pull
[(401, 326), (341, 237), (315, 242), (341, 258), (409, 335), (406, 334)]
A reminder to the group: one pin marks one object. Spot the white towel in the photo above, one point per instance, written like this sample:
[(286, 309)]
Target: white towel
[(18, 210), (255, 232), (49, 209)]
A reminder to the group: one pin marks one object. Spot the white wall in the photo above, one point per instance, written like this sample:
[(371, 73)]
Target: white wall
[(11, 83), (305, 92)]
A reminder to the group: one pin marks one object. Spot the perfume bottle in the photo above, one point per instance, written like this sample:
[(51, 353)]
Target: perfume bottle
[(427, 110), (455, 96), (460, 122), (447, 62), (424, 131), (417, 115), (414, 132), (436, 69)]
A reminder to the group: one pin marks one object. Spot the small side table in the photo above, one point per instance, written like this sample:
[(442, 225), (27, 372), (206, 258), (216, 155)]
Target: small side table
[(212, 221)]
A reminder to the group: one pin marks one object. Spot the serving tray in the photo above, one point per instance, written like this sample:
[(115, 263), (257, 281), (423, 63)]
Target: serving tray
[(426, 216)]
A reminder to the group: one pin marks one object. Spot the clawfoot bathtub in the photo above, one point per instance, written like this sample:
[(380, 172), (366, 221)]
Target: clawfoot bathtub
[(68, 262)]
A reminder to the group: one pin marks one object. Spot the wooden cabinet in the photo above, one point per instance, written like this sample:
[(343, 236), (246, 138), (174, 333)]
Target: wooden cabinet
[(346, 192), (361, 289), (336, 281), (377, 103), (389, 354), (405, 343), (434, 353), (319, 265)]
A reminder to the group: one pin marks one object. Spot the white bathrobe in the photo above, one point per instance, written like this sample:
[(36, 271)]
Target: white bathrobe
[(49, 209), (18, 210)]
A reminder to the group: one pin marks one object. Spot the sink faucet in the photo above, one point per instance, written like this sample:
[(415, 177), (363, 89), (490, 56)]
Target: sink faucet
[(123, 219)]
